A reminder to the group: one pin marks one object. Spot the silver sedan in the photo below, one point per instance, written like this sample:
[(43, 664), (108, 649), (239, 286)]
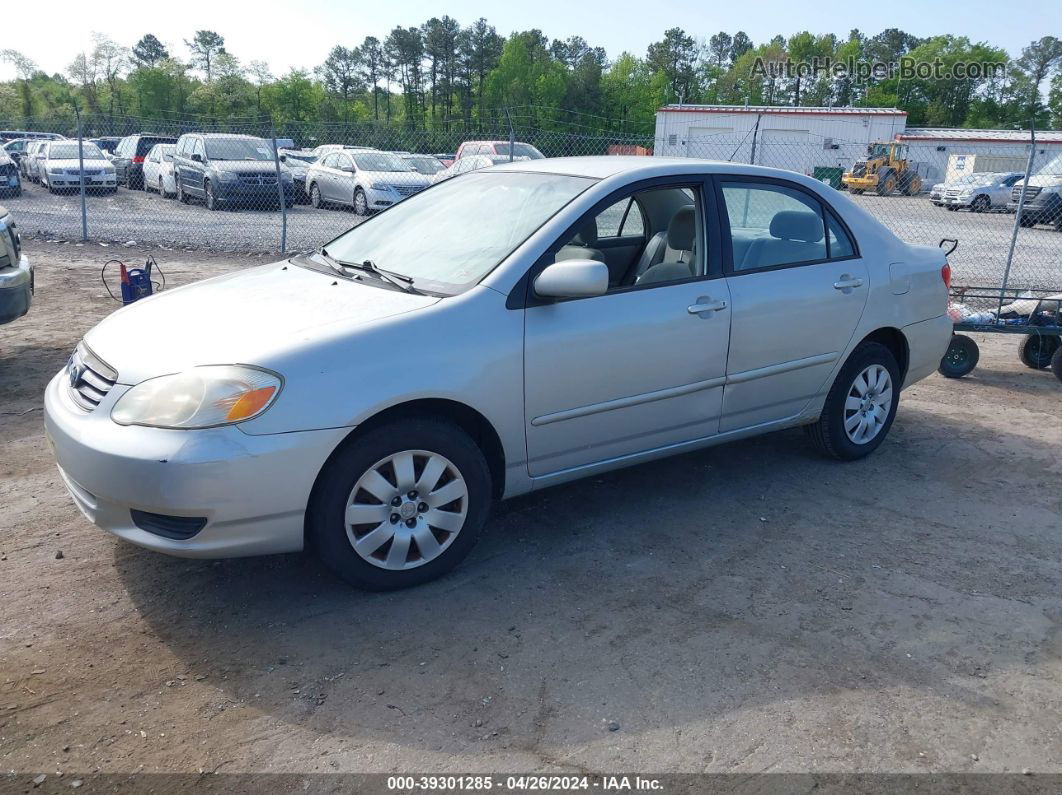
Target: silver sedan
[(525, 325)]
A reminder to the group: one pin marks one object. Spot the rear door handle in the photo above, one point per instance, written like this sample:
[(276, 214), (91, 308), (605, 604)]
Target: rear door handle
[(847, 283), (705, 304)]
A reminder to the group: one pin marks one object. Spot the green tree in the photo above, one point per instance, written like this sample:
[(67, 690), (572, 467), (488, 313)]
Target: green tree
[(149, 51), (676, 57), (205, 46)]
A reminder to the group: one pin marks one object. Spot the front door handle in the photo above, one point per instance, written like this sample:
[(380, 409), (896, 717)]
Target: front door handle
[(705, 304), (847, 283)]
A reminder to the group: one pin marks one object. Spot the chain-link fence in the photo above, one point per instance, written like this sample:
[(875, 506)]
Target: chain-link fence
[(259, 187)]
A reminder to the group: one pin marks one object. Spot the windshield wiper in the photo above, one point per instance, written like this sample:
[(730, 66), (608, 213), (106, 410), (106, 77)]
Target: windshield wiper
[(402, 282)]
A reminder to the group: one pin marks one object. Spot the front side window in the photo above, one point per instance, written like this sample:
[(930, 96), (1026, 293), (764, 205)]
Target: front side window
[(672, 250), (773, 225), (438, 237)]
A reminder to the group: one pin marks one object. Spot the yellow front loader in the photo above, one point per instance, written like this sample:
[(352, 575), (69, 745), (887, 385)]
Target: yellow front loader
[(885, 170)]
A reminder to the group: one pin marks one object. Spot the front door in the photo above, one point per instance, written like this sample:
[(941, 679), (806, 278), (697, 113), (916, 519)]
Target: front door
[(798, 287), (637, 368)]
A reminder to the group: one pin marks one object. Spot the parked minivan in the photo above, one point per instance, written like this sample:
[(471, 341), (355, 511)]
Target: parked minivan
[(129, 157), (226, 170)]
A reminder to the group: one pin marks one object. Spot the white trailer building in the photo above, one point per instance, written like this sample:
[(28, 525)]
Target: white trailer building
[(978, 150), (796, 138)]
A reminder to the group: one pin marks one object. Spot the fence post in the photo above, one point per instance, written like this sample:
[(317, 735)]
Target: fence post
[(512, 134), (1018, 213), (81, 171), (280, 195)]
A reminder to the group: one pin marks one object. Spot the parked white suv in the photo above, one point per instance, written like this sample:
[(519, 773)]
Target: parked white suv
[(364, 180)]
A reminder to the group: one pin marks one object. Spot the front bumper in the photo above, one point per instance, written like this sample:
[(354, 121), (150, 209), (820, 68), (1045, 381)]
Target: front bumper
[(253, 195), (1043, 210), (380, 199), (252, 490), (74, 181), (16, 290), (955, 201), (10, 181)]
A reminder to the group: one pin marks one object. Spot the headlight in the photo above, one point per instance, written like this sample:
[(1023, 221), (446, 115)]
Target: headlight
[(227, 176), (380, 186), (203, 397), (285, 176)]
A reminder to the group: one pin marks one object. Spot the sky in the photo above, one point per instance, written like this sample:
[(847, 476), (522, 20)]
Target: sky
[(287, 35)]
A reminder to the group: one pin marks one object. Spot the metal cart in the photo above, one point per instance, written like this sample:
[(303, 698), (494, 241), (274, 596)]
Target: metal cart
[(1041, 346)]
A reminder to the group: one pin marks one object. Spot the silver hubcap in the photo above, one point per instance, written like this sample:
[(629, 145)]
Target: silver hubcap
[(868, 404), (360, 204), (406, 509)]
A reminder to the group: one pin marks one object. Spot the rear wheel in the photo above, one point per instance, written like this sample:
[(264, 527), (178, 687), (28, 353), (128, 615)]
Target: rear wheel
[(982, 204), (1036, 351), (1056, 363), (315, 196), (861, 405), (401, 504), (886, 184), (856, 191), (961, 357)]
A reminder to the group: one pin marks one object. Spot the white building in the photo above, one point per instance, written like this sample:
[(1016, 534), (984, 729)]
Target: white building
[(795, 138), (1000, 150), (803, 139)]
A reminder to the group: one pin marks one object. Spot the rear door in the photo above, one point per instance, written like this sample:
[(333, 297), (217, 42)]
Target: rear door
[(798, 286)]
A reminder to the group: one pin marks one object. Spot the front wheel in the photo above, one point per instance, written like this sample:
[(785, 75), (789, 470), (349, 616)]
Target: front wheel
[(361, 204), (211, 198), (861, 405), (1056, 363), (401, 504), (982, 204), (315, 196), (182, 197)]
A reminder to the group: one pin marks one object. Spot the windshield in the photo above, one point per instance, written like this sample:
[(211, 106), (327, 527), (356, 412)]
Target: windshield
[(238, 149), (425, 165), (69, 151), (304, 157), (519, 150), (439, 238), (1052, 167), (380, 161)]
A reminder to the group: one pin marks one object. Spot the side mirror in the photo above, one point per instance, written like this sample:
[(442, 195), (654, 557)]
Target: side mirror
[(283, 158), (572, 278), (198, 158)]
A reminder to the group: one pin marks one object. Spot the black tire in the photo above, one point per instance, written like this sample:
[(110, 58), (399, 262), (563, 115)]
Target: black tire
[(886, 183), (961, 357), (326, 515), (182, 197), (828, 434), (981, 204), (315, 196), (209, 199), (857, 191), (359, 193), (1056, 364), (1036, 350), (1026, 222), (951, 207)]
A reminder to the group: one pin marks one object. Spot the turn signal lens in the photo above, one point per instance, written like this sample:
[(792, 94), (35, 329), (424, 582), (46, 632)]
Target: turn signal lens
[(250, 403), (945, 274)]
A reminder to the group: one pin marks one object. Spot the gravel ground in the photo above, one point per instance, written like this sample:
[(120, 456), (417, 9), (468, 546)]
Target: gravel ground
[(747, 608), (152, 221)]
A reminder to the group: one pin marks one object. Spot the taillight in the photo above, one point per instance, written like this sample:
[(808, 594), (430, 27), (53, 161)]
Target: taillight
[(138, 158), (945, 274)]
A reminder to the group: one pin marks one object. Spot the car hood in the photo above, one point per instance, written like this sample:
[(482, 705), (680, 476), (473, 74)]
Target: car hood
[(74, 163), (252, 316), (396, 177), (1042, 180)]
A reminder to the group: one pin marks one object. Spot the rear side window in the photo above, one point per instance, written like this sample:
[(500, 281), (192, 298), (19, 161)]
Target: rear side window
[(772, 225)]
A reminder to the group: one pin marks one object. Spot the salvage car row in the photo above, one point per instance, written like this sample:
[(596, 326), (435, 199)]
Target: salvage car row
[(226, 170)]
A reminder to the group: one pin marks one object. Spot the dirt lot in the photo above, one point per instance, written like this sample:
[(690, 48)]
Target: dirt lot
[(747, 608)]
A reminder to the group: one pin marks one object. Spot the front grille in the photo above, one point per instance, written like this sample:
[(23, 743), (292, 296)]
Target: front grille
[(258, 179), (89, 172), (408, 190), (89, 377), (952, 194), (179, 528), (1031, 192)]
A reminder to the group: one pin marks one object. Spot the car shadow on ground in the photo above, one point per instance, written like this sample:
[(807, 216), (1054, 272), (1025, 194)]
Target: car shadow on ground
[(658, 596)]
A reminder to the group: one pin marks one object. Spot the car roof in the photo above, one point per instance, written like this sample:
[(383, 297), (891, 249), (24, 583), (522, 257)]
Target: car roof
[(603, 166)]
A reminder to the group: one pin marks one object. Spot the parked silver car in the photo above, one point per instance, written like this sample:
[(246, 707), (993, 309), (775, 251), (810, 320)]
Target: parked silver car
[(63, 165), (980, 193), (374, 397), (16, 273), (365, 180)]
